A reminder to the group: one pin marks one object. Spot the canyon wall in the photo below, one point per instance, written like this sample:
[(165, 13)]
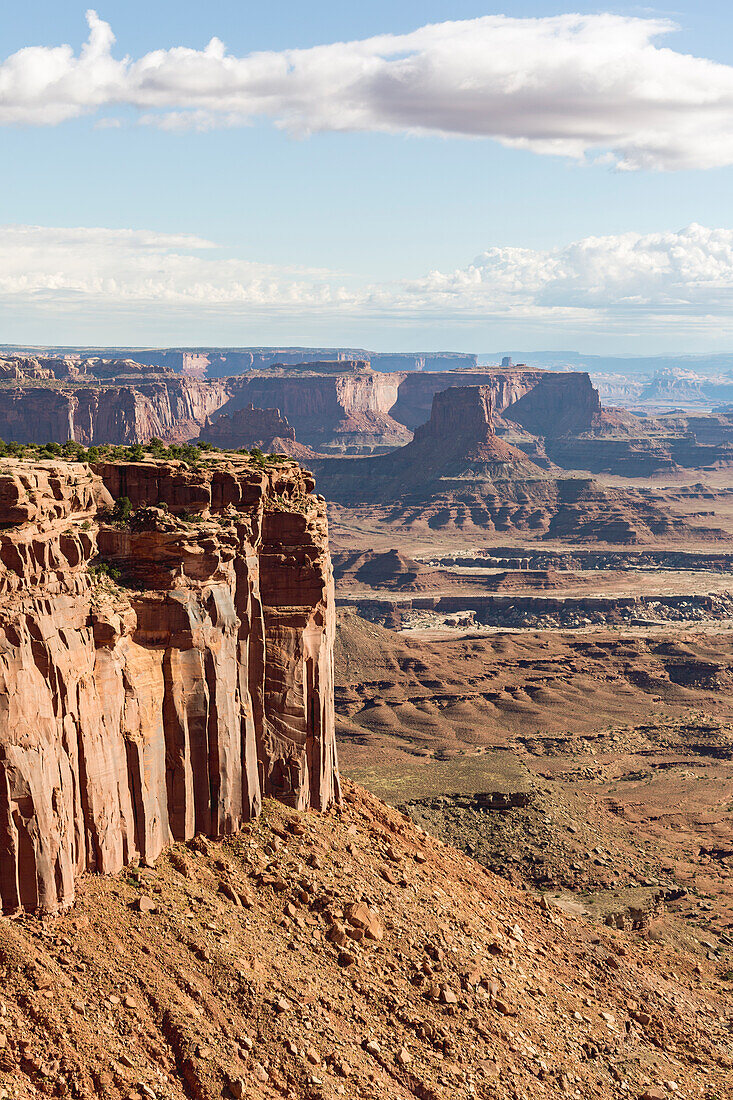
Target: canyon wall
[(457, 474), (172, 410), (572, 393), (334, 407), (162, 672), (351, 408)]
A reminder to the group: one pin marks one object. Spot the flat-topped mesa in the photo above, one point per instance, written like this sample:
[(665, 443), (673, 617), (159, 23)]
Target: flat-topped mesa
[(165, 662)]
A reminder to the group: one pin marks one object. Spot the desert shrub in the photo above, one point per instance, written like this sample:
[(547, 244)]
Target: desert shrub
[(122, 510), (101, 568)]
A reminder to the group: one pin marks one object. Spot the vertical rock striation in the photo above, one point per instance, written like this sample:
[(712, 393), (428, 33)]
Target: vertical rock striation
[(141, 712)]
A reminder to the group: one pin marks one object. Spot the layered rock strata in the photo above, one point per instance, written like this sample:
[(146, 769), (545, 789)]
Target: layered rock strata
[(90, 412), (339, 406), (161, 672), (458, 474)]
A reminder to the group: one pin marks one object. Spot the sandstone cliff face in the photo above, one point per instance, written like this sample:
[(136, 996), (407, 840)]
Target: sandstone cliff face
[(173, 411), (336, 411), (131, 716)]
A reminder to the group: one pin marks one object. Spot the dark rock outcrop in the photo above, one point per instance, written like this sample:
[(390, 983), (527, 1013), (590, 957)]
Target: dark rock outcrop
[(170, 703)]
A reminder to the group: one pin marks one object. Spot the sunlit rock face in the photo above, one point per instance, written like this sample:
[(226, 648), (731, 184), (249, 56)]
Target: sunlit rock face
[(162, 672)]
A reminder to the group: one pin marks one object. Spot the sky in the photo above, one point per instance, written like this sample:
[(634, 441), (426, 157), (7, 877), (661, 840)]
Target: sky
[(395, 176)]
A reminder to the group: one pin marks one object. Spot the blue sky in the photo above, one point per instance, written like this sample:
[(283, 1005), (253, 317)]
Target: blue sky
[(341, 233)]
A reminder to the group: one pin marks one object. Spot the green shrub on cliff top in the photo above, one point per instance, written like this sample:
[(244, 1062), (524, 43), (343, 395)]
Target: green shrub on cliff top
[(192, 454)]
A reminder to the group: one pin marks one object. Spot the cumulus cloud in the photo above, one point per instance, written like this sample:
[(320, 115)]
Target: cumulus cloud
[(658, 282), (569, 85), (629, 275)]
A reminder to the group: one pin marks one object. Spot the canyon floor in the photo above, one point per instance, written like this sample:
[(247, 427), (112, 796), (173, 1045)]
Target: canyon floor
[(561, 714)]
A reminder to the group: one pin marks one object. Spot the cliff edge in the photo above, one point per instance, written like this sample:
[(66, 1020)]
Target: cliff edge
[(165, 661)]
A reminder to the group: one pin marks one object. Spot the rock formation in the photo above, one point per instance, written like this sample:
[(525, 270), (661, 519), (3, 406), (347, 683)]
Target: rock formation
[(457, 473), (74, 369), (90, 412), (266, 429), (347, 407), (570, 392), (632, 446), (339, 407), (558, 405), (213, 362), (135, 713)]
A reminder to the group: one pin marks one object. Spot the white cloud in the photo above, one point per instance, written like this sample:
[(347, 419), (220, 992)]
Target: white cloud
[(93, 267), (570, 85), (629, 276), (659, 282)]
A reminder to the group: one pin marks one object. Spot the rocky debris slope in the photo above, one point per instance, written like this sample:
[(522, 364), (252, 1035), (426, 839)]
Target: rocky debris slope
[(266, 429), (623, 741), (170, 703), (346, 955)]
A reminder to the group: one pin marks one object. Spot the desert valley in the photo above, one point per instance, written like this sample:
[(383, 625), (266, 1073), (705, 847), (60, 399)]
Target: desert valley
[(365, 732), (366, 551)]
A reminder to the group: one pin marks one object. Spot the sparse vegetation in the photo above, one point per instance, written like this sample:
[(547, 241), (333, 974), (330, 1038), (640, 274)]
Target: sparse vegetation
[(192, 454), (122, 510), (101, 569)]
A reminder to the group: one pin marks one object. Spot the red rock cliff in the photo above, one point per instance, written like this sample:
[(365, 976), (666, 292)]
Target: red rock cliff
[(131, 716), (543, 402), (332, 409), (172, 410)]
